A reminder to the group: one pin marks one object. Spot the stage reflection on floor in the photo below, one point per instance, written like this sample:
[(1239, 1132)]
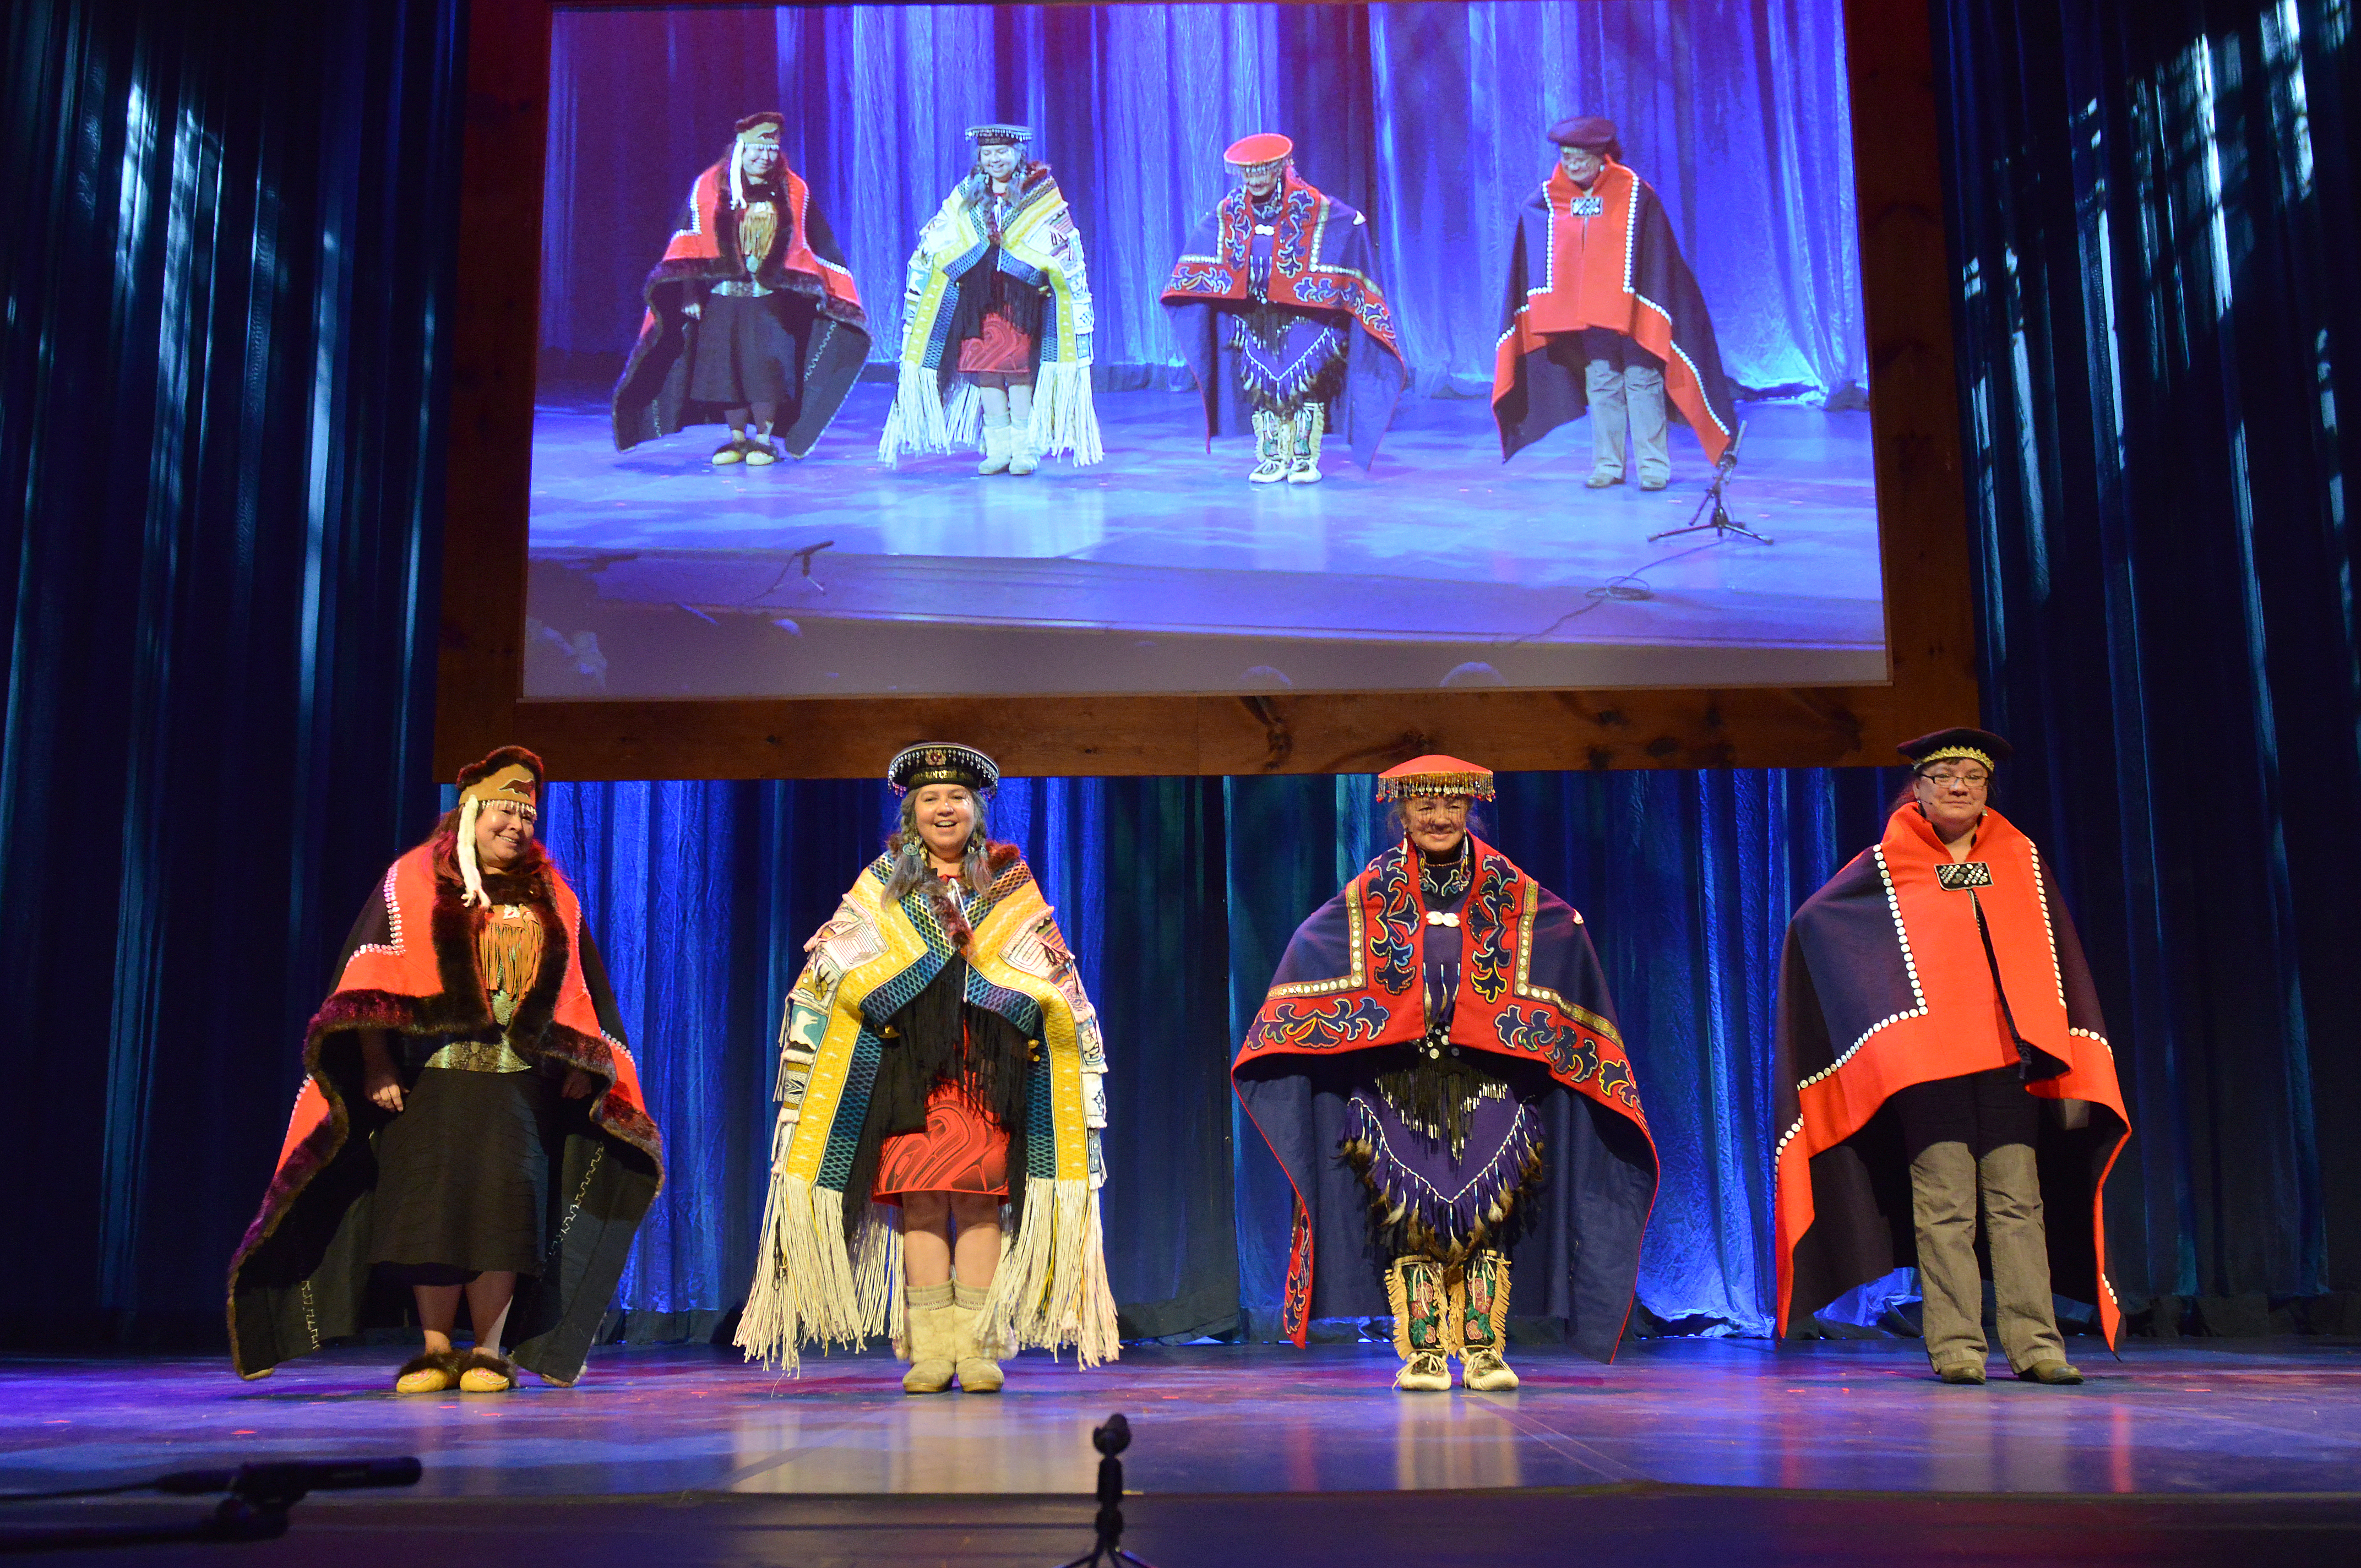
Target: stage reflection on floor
[(2230, 1417), (655, 573)]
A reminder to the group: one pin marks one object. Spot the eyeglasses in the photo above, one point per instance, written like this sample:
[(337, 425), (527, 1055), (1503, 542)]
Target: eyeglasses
[(1973, 781)]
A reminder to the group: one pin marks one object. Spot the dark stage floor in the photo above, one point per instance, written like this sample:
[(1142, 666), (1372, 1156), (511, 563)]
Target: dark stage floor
[(713, 1450), (657, 574), (1684, 1451)]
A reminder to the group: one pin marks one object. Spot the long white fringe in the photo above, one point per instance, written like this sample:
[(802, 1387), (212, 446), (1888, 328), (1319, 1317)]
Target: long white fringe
[(1064, 418), (805, 1286), (1051, 1289), (919, 421)]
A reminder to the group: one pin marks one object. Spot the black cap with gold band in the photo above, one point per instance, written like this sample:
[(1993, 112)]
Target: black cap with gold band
[(1969, 745), (942, 762)]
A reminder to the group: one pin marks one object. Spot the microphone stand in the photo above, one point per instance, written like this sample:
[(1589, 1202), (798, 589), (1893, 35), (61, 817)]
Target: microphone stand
[(1720, 522), (1110, 1440)]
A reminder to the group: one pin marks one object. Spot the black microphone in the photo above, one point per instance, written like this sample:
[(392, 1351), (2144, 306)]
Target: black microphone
[(1730, 458)]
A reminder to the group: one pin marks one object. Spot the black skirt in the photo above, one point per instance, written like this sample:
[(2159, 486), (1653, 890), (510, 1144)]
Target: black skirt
[(741, 350), (462, 1177)]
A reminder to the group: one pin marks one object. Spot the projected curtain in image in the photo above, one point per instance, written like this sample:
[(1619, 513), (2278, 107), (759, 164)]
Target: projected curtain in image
[(1429, 117)]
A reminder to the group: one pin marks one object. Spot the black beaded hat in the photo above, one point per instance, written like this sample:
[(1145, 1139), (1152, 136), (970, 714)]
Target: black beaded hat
[(942, 762), (1590, 132), (1000, 134), (1974, 745)]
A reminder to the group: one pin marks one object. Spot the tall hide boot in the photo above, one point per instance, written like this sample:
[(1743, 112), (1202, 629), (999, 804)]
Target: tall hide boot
[(978, 1363), (933, 1338), (999, 446), (1304, 461), (1271, 449), (1480, 1301), (1422, 1324)]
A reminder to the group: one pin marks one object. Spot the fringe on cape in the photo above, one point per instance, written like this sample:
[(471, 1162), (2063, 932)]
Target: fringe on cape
[(921, 421), (1051, 1289), (1064, 418), (809, 1286)]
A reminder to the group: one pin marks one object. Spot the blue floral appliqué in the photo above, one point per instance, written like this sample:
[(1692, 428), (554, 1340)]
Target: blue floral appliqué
[(1393, 924), (1489, 909), (1571, 1051), (1317, 1025)]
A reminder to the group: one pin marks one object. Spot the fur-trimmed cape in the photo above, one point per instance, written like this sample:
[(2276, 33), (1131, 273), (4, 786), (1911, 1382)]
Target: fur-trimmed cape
[(1532, 1002), (302, 1275), (829, 1267), (804, 264)]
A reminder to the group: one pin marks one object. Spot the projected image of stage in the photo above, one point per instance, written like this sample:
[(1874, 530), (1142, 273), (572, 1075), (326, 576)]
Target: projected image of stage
[(1159, 571), (845, 569)]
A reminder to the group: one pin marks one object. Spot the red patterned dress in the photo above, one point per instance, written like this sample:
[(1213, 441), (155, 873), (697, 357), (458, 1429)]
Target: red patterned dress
[(964, 1146), (962, 1150), (996, 329)]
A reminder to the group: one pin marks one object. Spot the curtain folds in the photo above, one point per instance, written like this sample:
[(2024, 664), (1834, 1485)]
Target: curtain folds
[(1429, 117), (1177, 896), (2154, 219), (701, 896), (225, 243)]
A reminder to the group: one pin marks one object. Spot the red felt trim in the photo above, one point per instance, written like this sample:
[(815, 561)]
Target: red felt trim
[(1472, 1022), (1312, 288), (431, 987), (1588, 285), (1960, 1030), (1475, 1018), (691, 250)]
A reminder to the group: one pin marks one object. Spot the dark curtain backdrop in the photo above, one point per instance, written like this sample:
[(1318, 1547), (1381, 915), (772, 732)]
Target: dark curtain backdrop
[(2154, 213), (223, 240), (225, 243), (1428, 117)]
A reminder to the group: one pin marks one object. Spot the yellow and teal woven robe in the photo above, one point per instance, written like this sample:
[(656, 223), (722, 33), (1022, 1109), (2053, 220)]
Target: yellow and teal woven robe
[(833, 1275), (935, 410)]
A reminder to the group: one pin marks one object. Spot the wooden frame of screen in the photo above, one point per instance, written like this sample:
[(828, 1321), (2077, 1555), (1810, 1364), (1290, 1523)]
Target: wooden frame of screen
[(1922, 509)]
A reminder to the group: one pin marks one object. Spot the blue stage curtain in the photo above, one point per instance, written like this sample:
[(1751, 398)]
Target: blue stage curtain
[(1429, 117), (2154, 221), (1177, 896), (226, 248)]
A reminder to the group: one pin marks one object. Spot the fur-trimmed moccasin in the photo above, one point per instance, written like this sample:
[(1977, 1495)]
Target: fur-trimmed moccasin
[(487, 1372), (436, 1372)]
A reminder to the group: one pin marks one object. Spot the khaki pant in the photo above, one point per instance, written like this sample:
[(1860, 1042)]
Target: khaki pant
[(1972, 1139), (1625, 384)]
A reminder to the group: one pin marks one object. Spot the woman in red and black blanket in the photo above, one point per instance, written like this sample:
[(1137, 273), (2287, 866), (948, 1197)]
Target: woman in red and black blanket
[(751, 317), (470, 1120)]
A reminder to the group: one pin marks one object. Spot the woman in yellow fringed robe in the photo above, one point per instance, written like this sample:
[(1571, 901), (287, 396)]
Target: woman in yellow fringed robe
[(936, 1167)]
